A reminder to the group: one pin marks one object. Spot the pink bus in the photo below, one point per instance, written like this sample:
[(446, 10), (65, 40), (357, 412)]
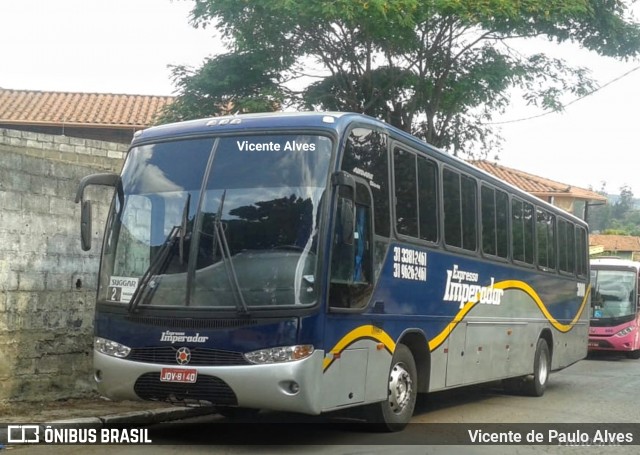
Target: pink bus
[(614, 306)]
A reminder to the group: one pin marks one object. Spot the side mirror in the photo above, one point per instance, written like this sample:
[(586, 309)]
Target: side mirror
[(85, 225), (107, 179)]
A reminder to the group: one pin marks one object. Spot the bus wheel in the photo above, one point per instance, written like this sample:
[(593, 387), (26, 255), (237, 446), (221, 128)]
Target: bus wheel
[(541, 368), (394, 413), (633, 354)]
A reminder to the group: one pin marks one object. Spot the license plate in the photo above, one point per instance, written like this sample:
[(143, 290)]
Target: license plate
[(188, 375), (593, 344)]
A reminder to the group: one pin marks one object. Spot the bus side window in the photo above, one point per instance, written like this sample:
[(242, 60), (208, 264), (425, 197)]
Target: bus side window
[(366, 155), (342, 251), (362, 236)]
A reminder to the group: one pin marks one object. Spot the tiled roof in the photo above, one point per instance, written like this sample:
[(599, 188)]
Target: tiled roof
[(536, 185), (27, 107), (615, 242)]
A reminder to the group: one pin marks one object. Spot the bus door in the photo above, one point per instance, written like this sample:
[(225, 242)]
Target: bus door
[(350, 288), (356, 369)]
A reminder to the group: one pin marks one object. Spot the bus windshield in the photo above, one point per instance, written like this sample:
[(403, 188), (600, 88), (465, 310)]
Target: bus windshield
[(614, 293), (228, 222)]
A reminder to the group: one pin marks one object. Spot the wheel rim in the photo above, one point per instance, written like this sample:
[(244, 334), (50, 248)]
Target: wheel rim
[(543, 368), (400, 388)]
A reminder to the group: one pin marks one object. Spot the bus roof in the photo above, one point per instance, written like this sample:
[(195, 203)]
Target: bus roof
[(612, 261), (330, 121), (267, 120)]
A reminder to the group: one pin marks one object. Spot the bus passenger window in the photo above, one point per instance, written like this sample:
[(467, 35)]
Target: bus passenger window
[(428, 199), (460, 224), (546, 239), (522, 224), (416, 195), (452, 218), (495, 216), (566, 246), (406, 188), (502, 224), (469, 204), (582, 251), (488, 220)]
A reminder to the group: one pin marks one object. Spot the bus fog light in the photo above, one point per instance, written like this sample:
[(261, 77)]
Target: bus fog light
[(280, 354), (97, 375), (110, 348), (290, 387)]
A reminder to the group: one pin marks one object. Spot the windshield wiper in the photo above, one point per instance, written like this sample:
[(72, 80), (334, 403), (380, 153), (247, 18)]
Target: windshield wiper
[(183, 227), (161, 260), (159, 264), (220, 239)]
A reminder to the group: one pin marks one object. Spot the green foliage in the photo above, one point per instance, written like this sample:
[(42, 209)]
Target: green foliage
[(625, 203), (620, 217), (238, 82), (440, 69)]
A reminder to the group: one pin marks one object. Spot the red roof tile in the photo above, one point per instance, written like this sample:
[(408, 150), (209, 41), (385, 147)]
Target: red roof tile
[(536, 185), (19, 107), (615, 242)]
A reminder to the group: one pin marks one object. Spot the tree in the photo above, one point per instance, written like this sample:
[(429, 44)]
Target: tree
[(621, 217), (440, 69), (625, 203), (599, 216)]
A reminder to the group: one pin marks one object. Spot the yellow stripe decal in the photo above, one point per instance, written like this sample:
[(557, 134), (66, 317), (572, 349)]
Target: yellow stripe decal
[(511, 284), (439, 339), (364, 331), (376, 333)]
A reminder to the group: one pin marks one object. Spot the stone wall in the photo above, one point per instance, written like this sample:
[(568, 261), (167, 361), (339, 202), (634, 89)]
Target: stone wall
[(47, 283)]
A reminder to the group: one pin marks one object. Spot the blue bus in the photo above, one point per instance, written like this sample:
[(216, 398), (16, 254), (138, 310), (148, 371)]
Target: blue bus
[(313, 262)]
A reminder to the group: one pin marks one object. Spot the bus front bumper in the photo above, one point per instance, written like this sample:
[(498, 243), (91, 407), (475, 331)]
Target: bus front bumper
[(288, 386), (612, 343)]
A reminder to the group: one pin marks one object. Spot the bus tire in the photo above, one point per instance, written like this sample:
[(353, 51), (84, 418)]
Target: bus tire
[(633, 354), (536, 385), (394, 413)]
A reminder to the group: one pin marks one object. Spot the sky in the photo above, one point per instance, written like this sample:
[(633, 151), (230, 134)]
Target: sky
[(126, 46)]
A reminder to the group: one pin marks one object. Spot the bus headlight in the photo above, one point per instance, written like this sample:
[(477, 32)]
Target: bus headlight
[(280, 354), (624, 331), (111, 348)]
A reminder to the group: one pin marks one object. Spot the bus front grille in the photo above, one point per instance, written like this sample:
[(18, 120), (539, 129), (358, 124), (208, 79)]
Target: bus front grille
[(206, 389), (604, 344), (166, 355), (191, 323)]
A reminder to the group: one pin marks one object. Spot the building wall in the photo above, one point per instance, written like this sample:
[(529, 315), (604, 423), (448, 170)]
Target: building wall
[(119, 135), (47, 283)]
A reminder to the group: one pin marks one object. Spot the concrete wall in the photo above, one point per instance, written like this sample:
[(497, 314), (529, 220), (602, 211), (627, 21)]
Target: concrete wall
[(47, 283)]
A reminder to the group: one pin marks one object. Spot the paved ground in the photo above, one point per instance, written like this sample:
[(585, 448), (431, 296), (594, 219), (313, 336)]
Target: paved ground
[(93, 410), (89, 412)]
